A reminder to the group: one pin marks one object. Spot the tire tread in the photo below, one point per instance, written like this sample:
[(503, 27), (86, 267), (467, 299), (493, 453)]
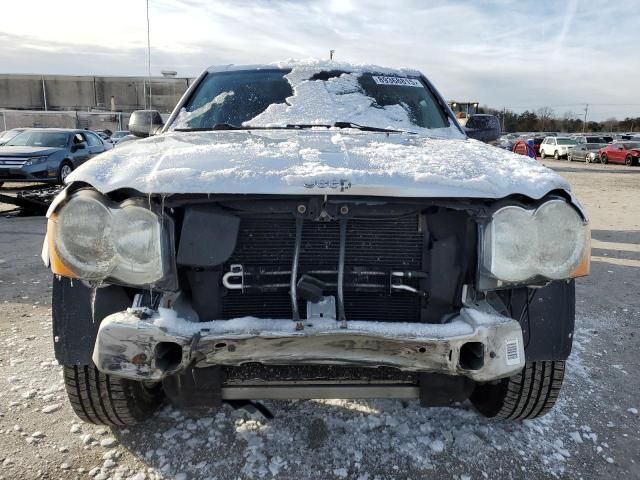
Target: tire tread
[(106, 400), (529, 394)]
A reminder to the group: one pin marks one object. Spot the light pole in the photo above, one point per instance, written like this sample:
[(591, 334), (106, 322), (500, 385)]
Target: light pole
[(584, 125), (148, 57)]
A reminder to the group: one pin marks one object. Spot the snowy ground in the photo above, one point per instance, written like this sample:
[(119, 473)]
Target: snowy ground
[(594, 432)]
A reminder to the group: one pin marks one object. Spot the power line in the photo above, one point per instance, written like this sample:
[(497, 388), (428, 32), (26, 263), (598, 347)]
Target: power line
[(575, 105)]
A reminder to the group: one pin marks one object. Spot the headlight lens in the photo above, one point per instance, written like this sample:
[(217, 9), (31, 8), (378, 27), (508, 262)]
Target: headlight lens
[(96, 239), (35, 161), (520, 244), (84, 240), (139, 249)]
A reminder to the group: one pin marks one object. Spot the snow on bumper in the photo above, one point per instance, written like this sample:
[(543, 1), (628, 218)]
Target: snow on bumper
[(477, 345)]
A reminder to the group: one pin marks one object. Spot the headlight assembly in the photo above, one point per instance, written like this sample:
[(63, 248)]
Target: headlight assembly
[(519, 244), (94, 239), (35, 161)]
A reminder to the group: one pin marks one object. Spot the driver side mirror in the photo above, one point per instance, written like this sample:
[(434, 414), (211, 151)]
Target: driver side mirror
[(145, 123), (485, 128), (78, 146)]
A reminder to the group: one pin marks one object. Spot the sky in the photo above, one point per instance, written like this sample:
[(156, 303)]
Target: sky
[(521, 54)]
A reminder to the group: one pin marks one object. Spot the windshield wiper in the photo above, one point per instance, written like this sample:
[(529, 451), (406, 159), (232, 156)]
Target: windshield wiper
[(217, 126), (289, 126), (306, 125), (231, 126), (366, 128)]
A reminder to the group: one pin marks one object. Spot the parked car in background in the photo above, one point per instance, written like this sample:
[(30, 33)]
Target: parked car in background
[(104, 133), (126, 139), (590, 139), (625, 136), (9, 134), (47, 154), (556, 147), (118, 135), (585, 152), (620, 152), (507, 141)]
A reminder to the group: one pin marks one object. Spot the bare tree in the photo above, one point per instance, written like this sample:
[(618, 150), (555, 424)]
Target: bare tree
[(544, 114), (609, 123), (567, 118)]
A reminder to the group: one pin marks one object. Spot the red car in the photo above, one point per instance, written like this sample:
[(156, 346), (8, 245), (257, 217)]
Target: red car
[(621, 152)]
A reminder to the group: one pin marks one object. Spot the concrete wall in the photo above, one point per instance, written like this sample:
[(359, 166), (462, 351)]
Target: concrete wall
[(94, 121), (85, 93)]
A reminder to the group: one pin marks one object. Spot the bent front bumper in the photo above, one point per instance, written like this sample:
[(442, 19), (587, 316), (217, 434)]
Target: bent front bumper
[(474, 344)]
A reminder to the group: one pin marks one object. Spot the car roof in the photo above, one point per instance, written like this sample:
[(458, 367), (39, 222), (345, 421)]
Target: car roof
[(61, 130), (313, 64)]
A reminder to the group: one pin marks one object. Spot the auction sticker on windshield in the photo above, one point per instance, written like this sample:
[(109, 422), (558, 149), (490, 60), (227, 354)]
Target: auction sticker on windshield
[(400, 81)]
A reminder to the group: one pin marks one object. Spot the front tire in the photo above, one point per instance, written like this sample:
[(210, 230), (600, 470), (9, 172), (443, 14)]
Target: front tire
[(64, 171), (556, 155), (107, 400), (603, 159), (542, 154), (528, 394), (569, 157), (628, 161)]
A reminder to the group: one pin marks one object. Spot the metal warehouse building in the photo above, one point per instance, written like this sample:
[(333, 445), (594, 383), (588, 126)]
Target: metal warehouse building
[(83, 101)]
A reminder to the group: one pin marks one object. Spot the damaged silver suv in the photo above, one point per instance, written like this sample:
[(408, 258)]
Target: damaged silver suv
[(313, 230)]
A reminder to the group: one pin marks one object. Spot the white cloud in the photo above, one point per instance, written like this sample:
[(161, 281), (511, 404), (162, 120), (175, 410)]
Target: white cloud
[(502, 53)]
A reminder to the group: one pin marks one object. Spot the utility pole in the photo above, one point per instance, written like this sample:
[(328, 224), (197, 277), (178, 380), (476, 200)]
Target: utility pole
[(148, 56), (504, 112), (331, 52), (44, 93), (586, 110)]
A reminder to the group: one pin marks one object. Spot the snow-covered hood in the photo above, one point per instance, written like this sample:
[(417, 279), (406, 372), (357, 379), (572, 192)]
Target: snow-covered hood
[(319, 161)]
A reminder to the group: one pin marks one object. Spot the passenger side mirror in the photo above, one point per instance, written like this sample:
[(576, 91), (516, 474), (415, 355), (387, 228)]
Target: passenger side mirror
[(145, 123), (485, 128)]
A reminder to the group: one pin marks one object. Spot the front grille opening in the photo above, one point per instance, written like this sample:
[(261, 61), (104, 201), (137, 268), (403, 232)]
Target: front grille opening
[(399, 307), (383, 245)]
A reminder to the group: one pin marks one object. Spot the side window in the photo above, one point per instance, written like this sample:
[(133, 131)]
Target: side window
[(552, 141), (92, 139)]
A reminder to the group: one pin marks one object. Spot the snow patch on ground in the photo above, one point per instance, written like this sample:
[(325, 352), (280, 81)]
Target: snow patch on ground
[(350, 439)]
